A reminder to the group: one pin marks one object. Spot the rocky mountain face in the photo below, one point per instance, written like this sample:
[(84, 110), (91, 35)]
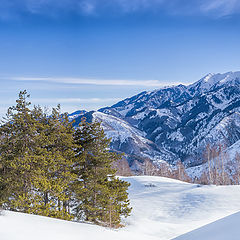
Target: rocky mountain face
[(174, 124)]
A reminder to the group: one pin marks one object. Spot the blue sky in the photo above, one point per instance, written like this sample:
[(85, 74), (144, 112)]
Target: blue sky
[(86, 54)]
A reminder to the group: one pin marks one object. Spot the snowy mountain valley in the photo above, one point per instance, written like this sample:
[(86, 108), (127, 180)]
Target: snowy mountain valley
[(192, 130), (175, 124)]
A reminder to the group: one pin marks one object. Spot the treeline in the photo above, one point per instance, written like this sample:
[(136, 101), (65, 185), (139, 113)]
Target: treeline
[(217, 168), (48, 168), (220, 169), (166, 170)]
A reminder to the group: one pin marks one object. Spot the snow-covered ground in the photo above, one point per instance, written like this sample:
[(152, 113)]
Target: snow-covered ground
[(162, 209), (223, 229)]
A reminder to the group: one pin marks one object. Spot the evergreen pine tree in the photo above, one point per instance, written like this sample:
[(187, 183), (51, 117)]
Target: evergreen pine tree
[(118, 203), (54, 175), (18, 133), (36, 160), (99, 196)]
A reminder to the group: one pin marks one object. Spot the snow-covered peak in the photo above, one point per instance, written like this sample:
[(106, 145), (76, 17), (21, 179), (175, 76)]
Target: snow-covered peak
[(211, 80)]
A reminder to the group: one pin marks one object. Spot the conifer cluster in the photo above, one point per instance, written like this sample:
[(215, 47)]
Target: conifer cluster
[(48, 168)]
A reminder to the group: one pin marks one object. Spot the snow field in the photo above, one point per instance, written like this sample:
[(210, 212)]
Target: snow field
[(162, 209)]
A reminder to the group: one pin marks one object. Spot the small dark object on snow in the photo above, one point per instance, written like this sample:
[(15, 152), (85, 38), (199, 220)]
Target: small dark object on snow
[(150, 185)]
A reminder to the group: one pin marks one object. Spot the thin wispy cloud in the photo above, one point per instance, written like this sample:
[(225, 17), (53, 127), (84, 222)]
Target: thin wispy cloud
[(10, 101), (114, 82), (221, 7), (67, 104), (98, 7), (74, 100)]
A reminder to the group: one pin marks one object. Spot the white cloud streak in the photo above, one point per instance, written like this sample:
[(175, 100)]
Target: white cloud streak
[(146, 83), (74, 100), (95, 7), (67, 104), (221, 7)]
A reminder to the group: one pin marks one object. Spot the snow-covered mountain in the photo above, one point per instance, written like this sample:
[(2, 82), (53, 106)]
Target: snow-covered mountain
[(128, 139), (175, 123), (76, 114)]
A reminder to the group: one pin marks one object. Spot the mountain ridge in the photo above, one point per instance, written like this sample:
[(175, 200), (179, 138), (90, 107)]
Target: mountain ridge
[(176, 123)]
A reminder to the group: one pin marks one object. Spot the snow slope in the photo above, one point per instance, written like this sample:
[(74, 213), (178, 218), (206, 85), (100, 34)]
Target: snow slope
[(128, 139), (162, 209), (226, 228), (172, 207)]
